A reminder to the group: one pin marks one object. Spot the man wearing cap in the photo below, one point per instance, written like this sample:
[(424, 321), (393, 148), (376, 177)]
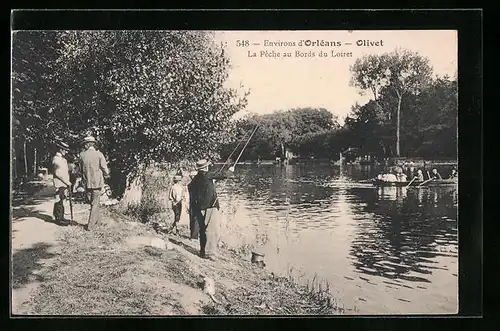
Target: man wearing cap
[(61, 180), (176, 196), (205, 207), (94, 168)]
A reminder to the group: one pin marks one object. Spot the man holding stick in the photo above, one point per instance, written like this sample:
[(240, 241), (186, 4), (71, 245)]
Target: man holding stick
[(61, 181), (205, 207), (94, 168)]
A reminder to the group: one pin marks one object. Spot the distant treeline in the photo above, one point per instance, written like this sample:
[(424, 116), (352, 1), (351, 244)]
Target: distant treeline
[(428, 128)]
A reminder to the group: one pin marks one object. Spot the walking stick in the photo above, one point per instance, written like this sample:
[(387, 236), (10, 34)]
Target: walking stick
[(71, 203)]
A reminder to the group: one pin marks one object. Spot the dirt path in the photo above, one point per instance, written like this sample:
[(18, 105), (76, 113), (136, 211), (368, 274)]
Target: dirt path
[(34, 240)]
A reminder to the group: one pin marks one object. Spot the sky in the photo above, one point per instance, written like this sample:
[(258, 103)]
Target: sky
[(281, 83)]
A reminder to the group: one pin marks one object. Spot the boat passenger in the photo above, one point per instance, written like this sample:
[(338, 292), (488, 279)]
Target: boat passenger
[(389, 178), (420, 175), (401, 177), (435, 174)]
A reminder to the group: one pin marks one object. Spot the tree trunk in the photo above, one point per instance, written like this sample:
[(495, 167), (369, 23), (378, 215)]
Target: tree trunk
[(25, 160), (397, 125), (34, 161)]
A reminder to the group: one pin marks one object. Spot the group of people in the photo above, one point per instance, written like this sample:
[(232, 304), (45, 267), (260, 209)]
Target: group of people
[(93, 169), (398, 175), (199, 197)]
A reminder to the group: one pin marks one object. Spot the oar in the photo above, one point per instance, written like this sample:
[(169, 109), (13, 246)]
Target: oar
[(411, 181), (428, 180)]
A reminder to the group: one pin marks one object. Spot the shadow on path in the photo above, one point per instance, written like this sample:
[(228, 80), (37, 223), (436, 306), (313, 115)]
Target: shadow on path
[(22, 212), (26, 263), (185, 246)]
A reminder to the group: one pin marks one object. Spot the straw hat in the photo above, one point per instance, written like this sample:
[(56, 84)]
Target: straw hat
[(89, 139), (63, 145), (202, 164), (177, 178)]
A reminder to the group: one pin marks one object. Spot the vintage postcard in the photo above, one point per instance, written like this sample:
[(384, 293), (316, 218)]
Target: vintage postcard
[(234, 172)]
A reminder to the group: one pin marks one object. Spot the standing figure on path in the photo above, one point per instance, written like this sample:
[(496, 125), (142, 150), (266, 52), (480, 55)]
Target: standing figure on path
[(176, 199), (94, 168), (73, 171), (205, 206), (61, 181), (194, 228)]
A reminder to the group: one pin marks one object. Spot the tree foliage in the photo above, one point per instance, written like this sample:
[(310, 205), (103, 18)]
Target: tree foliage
[(281, 130), (148, 96), (400, 73)]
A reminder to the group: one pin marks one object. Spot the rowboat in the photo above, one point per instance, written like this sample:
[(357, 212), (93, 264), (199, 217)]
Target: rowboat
[(435, 182)]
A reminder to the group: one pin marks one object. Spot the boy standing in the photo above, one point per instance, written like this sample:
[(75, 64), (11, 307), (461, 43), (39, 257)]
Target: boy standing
[(175, 197)]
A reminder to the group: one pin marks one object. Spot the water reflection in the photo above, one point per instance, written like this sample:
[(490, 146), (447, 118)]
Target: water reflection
[(322, 220), (409, 225)]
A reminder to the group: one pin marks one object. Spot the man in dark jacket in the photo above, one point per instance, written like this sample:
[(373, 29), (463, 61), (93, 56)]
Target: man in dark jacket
[(194, 228), (205, 207)]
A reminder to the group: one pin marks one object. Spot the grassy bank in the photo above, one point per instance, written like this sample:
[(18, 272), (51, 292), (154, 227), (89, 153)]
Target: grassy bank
[(113, 271)]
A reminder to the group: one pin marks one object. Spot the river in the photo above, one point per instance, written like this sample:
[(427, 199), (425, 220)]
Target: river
[(381, 250)]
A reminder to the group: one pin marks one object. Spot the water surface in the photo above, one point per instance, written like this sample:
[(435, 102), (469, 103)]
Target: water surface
[(382, 250)]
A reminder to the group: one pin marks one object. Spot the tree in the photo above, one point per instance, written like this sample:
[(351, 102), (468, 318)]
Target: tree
[(147, 96), (401, 72), (281, 130)]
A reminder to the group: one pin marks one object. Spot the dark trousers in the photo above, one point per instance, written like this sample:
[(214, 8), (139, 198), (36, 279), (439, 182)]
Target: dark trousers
[(94, 195), (177, 209), (194, 227), (58, 211)]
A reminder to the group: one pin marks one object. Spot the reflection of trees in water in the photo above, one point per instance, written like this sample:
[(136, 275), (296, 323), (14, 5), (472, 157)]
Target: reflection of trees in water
[(406, 229)]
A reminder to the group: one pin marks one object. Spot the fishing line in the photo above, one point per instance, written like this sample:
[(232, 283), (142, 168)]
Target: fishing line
[(243, 149), (234, 150)]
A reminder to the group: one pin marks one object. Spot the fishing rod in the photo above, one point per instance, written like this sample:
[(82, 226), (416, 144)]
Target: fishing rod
[(234, 150), (254, 130), (245, 145)]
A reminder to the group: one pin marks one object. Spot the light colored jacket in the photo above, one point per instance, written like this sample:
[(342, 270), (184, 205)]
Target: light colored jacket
[(177, 194), (93, 167), (60, 166)]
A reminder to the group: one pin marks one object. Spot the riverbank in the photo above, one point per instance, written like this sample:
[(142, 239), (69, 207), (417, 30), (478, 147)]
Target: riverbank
[(115, 270)]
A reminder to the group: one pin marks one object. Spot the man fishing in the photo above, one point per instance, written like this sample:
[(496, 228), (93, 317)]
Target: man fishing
[(205, 206), (194, 229)]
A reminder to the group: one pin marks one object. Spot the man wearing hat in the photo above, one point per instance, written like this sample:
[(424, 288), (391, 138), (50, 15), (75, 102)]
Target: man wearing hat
[(176, 196), (94, 168), (61, 180), (205, 207)]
